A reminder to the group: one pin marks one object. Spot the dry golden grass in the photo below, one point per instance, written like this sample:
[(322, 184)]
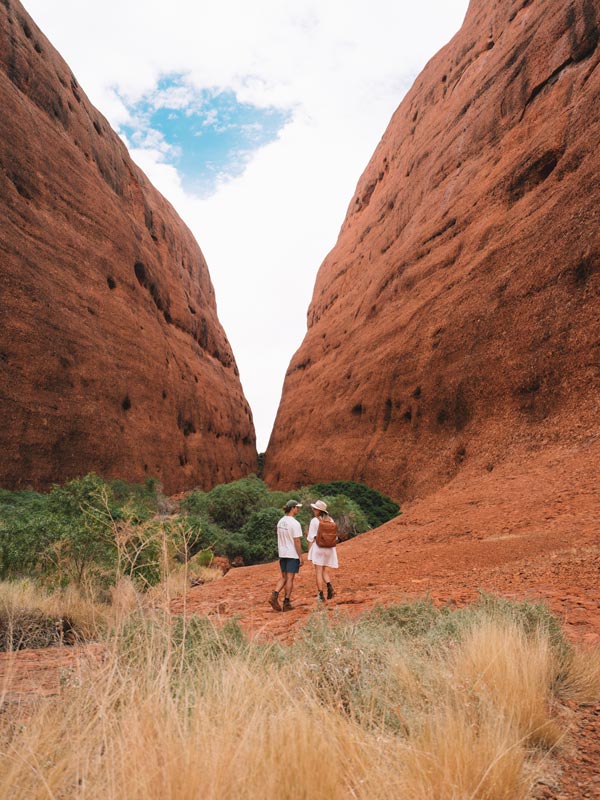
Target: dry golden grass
[(499, 663), (177, 583), (179, 710), (25, 604), (581, 681)]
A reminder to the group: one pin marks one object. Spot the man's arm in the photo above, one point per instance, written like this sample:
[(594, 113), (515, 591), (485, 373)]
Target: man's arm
[(298, 543)]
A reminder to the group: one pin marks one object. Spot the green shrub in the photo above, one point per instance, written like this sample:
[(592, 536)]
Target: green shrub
[(348, 515), (260, 531), (230, 504), (195, 504), (377, 507), (221, 542), (70, 534)]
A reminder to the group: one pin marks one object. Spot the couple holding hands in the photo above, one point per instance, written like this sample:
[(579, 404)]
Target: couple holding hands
[(289, 541)]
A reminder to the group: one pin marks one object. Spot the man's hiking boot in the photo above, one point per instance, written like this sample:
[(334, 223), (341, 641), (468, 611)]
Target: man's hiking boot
[(287, 606), (330, 592), (274, 601), (320, 598)]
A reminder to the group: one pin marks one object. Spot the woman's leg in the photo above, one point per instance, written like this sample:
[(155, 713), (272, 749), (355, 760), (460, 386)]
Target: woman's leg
[(327, 579), (319, 576)]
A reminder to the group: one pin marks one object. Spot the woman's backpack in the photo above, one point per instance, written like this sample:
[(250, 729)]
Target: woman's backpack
[(327, 533)]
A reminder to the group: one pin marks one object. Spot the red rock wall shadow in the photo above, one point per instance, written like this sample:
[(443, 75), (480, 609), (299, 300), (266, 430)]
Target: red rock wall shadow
[(112, 357), (457, 319)]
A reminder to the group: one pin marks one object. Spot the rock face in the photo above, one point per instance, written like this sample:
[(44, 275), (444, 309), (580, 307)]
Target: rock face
[(112, 357), (457, 319)]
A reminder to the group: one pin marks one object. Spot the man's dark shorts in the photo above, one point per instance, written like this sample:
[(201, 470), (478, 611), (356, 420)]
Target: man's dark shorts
[(289, 564)]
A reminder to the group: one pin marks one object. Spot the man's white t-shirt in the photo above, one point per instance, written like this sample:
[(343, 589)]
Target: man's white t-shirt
[(288, 529)]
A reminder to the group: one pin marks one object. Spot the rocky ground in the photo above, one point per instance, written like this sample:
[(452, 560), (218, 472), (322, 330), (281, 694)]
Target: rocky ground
[(521, 531)]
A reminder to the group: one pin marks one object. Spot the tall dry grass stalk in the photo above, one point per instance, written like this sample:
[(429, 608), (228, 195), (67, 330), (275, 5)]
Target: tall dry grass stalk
[(180, 711)]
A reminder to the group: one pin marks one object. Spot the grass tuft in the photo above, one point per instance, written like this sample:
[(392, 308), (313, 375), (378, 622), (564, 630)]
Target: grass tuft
[(407, 701)]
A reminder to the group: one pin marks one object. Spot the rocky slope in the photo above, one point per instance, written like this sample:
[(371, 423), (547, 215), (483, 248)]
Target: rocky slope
[(112, 357), (457, 320)]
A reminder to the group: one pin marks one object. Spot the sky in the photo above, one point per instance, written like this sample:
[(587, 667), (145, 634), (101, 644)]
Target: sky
[(255, 120)]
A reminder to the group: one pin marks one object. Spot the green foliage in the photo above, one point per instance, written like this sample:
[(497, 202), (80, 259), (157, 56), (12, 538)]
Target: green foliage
[(93, 530), (220, 541), (24, 531), (69, 534), (195, 504), (348, 515), (239, 519), (134, 500), (260, 531), (377, 507), (230, 504)]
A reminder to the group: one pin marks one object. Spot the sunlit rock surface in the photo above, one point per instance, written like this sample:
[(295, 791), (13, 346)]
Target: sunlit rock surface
[(112, 357), (457, 320)]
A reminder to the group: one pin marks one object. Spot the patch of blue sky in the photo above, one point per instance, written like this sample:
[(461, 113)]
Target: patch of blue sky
[(208, 135)]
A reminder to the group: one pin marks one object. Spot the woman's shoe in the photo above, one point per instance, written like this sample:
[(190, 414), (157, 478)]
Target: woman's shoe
[(330, 592), (320, 598)]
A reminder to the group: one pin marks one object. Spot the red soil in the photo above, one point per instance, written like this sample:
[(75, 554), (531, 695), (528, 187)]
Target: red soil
[(519, 532)]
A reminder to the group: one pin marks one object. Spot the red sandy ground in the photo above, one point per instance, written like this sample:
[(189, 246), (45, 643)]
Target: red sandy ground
[(522, 531)]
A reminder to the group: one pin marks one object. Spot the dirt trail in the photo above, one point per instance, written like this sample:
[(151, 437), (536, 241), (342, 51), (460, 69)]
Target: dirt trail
[(528, 530), (533, 533)]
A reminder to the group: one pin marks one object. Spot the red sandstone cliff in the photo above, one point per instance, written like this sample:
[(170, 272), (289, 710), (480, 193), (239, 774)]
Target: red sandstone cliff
[(457, 320), (112, 357)]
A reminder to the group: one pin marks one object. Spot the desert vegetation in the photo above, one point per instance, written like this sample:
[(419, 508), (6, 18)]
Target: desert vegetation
[(409, 700), (91, 531), (406, 701)]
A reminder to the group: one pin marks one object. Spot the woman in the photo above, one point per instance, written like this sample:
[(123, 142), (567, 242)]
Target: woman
[(324, 558)]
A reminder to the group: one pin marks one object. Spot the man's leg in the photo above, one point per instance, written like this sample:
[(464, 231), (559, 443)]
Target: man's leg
[(281, 582), (274, 599), (289, 584)]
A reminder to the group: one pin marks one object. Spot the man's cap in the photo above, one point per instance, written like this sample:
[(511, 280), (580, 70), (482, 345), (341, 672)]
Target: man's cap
[(292, 504)]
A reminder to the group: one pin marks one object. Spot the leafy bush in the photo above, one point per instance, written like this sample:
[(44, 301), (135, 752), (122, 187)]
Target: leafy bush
[(230, 504), (93, 531), (377, 507), (260, 533), (82, 531), (195, 504), (220, 541), (348, 515)]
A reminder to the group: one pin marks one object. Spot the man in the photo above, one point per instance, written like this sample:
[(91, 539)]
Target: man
[(289, 545)]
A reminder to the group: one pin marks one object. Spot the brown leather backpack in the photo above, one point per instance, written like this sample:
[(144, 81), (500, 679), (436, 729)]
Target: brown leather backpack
[(327, 533)]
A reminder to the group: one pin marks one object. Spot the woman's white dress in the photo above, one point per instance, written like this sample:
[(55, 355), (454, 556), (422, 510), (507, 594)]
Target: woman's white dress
[(323, 556)]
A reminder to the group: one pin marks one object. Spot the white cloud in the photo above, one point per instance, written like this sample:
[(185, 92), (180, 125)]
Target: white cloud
[(340, 67)]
